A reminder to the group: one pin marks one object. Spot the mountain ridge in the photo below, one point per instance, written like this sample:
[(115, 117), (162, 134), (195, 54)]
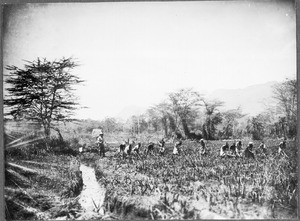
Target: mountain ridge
[(251, 99)]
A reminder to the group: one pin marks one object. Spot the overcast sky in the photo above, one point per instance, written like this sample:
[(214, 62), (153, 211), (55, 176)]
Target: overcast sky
[(134, 53)]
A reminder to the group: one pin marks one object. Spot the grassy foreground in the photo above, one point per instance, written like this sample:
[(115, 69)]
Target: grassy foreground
[(44, 183), (40, 183)]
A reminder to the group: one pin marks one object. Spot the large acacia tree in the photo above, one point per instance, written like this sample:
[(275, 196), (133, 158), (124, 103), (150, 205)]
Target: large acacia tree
[(42, 92)]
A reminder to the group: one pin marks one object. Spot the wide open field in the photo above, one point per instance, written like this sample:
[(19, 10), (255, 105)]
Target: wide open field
[(187, 186)]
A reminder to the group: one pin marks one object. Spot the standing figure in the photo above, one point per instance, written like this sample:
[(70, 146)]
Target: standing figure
[(249, 151), (100, 144), (161, 145), (282, 147), (203, 147), (224, 150)]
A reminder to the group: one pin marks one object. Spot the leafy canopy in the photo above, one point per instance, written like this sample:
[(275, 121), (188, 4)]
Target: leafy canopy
[(42, 91)]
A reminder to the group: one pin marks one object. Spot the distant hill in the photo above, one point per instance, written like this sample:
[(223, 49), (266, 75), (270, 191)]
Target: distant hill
[(251, 99), (129, 111)]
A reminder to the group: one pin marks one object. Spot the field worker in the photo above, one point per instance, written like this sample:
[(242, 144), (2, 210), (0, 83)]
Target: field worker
[(161, 145), (136, 148), (263, 148), (224, 150), (150, 147), (203, 147), (100, 144), (161, 142), (239, 148), (122, 147), (249, 150), (176, 147), (128, 148), (233, 149), (282, 147)]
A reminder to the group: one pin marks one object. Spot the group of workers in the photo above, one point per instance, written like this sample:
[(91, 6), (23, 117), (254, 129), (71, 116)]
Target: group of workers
[(178, 143), (235, 150), (126, 148)]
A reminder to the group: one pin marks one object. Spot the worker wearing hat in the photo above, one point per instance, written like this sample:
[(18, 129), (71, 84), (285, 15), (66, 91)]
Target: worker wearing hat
[(100, 144)]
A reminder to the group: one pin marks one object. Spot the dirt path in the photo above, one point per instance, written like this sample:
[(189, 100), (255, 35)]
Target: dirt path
[(92, 196)]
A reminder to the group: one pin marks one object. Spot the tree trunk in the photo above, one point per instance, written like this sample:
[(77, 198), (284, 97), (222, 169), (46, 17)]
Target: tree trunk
[(47, 135), (47, 131), (60, 137)]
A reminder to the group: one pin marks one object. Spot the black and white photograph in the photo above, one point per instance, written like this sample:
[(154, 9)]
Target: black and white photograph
[(150, 110)]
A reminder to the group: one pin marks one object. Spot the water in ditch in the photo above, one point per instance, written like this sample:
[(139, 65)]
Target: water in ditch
[(92, 196)]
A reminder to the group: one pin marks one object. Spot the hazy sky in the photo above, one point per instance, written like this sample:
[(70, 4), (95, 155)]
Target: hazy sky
[(133, 53)]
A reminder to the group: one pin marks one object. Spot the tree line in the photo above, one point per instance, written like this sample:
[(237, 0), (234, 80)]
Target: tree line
[(190, 115), (42, 92)]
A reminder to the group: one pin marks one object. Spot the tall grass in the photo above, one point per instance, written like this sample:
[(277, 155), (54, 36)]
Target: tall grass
[(38, 180)]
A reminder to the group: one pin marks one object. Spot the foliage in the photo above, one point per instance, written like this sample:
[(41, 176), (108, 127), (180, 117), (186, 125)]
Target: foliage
[(38, 185), (230, 122), (153, 119), (110, 124), (256, 127), (181, 113), (163, 116), (42, 92), (138, 124), (286, 96), (184, 104), (213, 117)]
